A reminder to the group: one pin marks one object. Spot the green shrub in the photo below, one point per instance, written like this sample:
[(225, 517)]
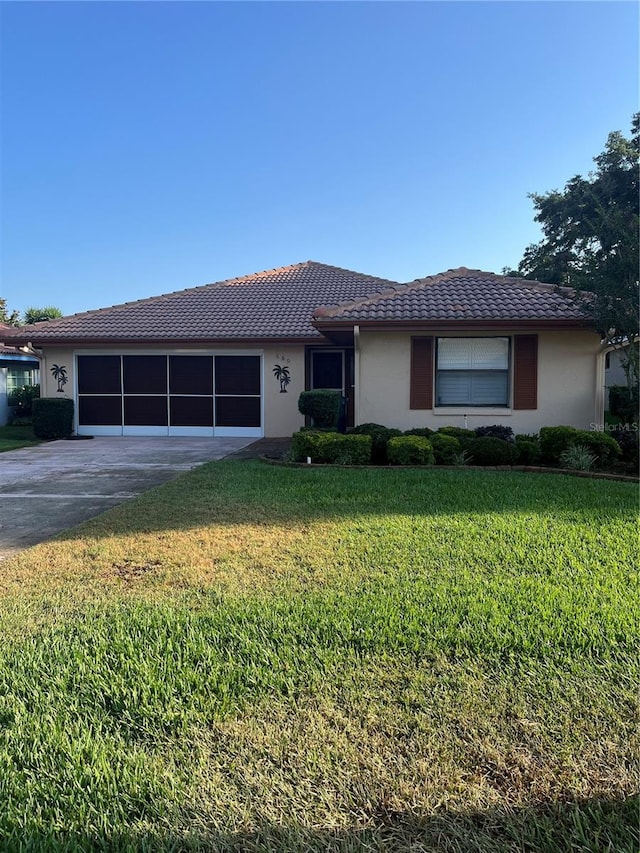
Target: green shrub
[(425, 432), (624, 403), (21, 399), (52, 417), (331, 448), (462, 458), (457, 432), (495, 431), (577, 457), (629, 442), (533, 436), (410, 450), (491, 451), (555, 440), (528, 452), (322, 406), (446, 449), (605, 449), (380, 436)]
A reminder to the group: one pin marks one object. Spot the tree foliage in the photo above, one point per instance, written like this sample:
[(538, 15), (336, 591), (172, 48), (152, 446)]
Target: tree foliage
[(37, 315), (9, 318), (30, 316), (590, 240)]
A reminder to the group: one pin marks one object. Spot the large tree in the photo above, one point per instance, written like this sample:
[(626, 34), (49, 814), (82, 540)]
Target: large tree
[(590, 240)]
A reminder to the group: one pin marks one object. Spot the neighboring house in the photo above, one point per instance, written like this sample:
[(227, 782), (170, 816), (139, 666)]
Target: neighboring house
[(16, 370), (615, 363), (465, 347)]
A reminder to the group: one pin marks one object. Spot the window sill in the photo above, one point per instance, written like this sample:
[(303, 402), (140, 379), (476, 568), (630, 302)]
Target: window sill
[(472, 411)]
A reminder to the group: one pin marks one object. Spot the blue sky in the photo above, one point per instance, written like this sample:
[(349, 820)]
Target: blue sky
[(148, 147)]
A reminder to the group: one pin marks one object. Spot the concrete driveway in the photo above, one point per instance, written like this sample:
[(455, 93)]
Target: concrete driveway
[(54, 486)]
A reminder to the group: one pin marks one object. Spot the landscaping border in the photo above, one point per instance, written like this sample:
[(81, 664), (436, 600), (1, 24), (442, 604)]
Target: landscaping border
[(531, 469)]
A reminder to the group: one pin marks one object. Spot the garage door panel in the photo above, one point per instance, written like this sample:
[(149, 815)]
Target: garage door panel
[(191, 374), (238, 411), (100, 410), (99, 374), (145, 374), (191, 411), (145, 411), (238, 374)]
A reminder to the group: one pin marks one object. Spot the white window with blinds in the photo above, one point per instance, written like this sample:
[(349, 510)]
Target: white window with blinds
[(472, 372)]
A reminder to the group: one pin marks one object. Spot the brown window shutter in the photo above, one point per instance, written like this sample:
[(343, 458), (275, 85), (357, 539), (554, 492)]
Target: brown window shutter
[(525, 372), (421, 393)]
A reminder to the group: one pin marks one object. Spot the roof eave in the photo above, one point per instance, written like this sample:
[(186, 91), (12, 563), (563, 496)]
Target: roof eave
[(330, 326), (168, 343)]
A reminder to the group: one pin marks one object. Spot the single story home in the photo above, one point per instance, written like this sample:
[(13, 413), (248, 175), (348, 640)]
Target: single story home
[(16, 369), (464, 347)]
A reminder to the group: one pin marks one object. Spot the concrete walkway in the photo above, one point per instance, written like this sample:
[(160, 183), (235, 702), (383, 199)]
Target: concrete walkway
[(54, 486)]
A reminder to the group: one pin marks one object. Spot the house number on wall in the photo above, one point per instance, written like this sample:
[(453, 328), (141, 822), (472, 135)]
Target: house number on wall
[(281, 372)]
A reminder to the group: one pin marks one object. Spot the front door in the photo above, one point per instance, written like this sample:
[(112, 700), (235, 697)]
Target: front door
[(333, 368)]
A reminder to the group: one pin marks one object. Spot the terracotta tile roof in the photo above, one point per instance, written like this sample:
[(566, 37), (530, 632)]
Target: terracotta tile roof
[(276, 303), (460, 294), (5, 350)]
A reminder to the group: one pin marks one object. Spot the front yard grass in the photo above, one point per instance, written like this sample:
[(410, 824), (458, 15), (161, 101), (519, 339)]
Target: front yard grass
[(14, 437), (262, 658)]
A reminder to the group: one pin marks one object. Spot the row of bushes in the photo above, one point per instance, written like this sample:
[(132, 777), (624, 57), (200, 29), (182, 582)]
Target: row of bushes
[(490, 445)]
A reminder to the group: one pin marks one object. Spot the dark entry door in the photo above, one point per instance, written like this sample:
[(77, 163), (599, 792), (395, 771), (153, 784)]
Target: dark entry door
[(327, 370), (334, 369)]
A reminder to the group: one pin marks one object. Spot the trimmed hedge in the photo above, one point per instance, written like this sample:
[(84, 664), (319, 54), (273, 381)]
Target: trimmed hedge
[(425, 432), (495, 431), (629, 442), (446, 448), (528, 452), (380, 436), (491, 451), (52, 417), (322, 406), (331, 448), (410, 450), (554, 441), (456, 432), (533, 437)]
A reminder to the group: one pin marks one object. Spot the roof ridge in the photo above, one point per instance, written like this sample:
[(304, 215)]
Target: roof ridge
[(354, 272), (374, 298), (419, 283), (521, 281)]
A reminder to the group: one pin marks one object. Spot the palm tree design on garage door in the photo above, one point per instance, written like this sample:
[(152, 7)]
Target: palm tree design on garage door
[(60, 375), (282, 375)]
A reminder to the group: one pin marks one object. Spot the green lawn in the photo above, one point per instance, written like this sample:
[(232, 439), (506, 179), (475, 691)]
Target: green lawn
[(14, 437), (255, 657)]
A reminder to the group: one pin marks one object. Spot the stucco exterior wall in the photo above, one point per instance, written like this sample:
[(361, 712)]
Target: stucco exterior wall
[(566, 385), (63, 358), (281, 415)]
